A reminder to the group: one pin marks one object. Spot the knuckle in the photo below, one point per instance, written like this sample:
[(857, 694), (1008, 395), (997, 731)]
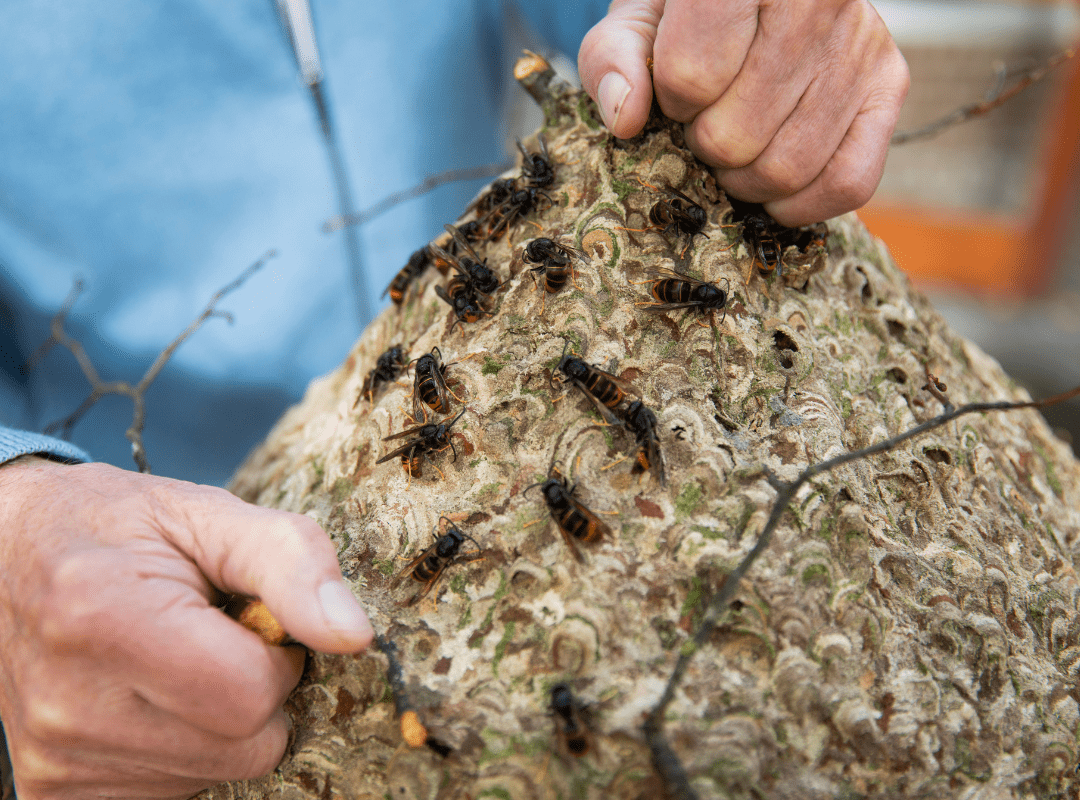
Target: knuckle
[(251, 710), (46, 721), (592, 47), (781, 177), (36, 766), (865, 24), (69, 613), (680, 77), (900, 75), (266, 751), (261, 709), (241, 726), (850, 188), (295, 531), (723, 143)]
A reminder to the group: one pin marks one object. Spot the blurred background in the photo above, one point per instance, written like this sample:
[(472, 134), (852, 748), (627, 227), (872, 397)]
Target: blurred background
[(985, 216)]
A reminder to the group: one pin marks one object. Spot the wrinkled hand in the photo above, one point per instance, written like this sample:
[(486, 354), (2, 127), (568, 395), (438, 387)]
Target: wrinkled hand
[(791, 101), (118, 676)]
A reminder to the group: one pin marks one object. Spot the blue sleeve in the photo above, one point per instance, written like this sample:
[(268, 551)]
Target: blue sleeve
[(561, 24), (15, 443)]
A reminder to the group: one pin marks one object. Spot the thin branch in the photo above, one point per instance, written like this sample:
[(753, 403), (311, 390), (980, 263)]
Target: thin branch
[(413, 732), (209, 311), (540, 80), (996, 98), (425, 186), (136, 393), (937, 388), (664, 759), (59, 337), (395, 674)]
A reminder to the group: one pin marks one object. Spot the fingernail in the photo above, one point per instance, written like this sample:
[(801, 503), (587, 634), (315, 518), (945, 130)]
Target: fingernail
[(343, 614), (611, 94)]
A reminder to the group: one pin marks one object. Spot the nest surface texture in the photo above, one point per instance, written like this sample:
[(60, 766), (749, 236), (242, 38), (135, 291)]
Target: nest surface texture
[(910, 632)]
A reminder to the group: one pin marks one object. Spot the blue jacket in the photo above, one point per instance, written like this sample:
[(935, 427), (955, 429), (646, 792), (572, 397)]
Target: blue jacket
[(155, 150)]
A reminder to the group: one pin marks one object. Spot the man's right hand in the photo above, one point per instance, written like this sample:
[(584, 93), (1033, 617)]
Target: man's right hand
[(119, 676), (791, 101)]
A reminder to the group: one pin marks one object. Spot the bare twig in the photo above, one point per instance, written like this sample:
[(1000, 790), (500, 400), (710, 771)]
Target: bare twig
[(395, 675), (136, 393), (413, 732), (425, 186), (664, 759), (56, 328), (996, 98), (937, 388)]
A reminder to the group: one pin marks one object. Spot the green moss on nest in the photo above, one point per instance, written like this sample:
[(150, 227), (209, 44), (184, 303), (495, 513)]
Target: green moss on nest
[(767, 362), (575, 346), (688, 500), (477, 639), (342, 488), (504, 586), (842, 323), (816, 573), (500, 648), (712, 534), (385, 566), (693, 597), (1051, 473), (606, 305), (588, 112), (487, 492), (623, 189), (466, 617)]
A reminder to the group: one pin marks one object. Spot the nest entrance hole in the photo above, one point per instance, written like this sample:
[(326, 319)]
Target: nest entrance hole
[(785, 349)]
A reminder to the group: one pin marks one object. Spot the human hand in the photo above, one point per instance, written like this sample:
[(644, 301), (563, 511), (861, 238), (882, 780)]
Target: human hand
[(792, 102), (118, 675)]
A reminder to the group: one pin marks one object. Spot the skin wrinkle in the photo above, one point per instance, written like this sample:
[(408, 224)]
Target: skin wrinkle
[(858, 175), (784, 164), (753, 88), (134, 775), (671, 94), (837, 182), (77, 726), (109, 744), (177, 520), (249, 702)]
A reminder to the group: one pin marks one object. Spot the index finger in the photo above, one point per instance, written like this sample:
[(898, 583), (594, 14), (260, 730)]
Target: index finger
[(700, 47), (284, 559)]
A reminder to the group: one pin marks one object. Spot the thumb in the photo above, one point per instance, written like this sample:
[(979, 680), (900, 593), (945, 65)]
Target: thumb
[(612, 64), (284, 559)]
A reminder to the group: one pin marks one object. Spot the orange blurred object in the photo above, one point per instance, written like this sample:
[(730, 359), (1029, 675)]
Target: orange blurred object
[(992, 253)]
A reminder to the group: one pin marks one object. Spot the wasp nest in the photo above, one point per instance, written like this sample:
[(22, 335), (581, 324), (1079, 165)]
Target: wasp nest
[(911, 631)]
